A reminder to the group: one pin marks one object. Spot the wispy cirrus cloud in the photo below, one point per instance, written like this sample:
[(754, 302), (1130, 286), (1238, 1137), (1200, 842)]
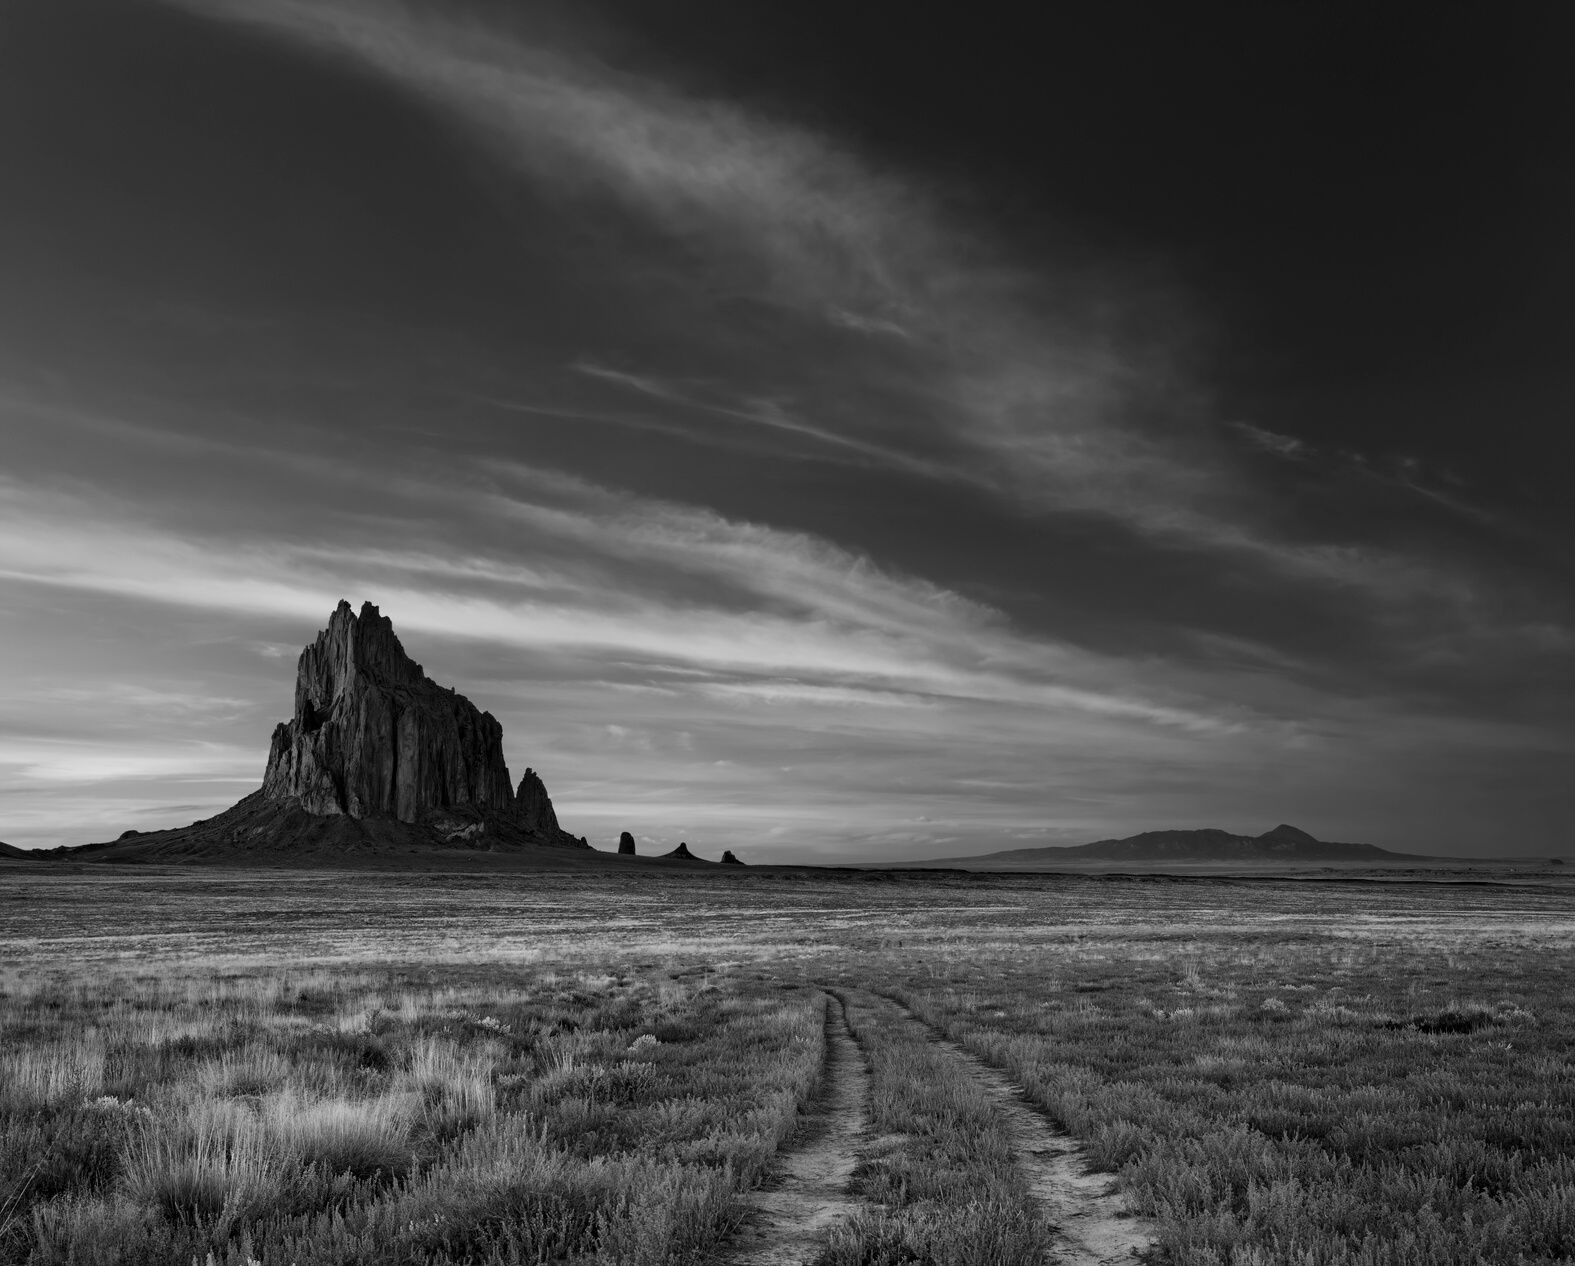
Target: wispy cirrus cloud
[(777, 213), (602, 573), (916, 344)]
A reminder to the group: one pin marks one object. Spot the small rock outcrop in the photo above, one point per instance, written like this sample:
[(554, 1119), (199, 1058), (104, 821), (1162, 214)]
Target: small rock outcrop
[(626, 844), (728, 859)]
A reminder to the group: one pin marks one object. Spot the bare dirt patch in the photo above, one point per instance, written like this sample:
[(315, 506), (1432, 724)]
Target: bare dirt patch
[(809, 1192), (1092, 1224)]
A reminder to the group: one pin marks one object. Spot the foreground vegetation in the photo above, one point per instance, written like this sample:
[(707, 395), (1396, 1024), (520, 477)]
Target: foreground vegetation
[(344, 1117), (1300, 1079), (1296, 1102)]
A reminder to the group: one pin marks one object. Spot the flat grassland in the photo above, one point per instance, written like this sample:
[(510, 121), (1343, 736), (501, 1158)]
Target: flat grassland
[(278, 1068)]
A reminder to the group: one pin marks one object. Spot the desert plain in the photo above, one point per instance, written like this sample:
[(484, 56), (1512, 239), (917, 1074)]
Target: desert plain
[(698, 1064)]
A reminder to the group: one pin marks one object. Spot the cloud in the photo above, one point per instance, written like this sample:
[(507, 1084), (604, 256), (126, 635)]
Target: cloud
[(1030, 403), (773, 416), (903, 340), (655, 583), (1270, 442), (77, 762)]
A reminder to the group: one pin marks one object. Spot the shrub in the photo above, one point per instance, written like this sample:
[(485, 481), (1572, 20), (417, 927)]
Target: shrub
[(342, 1136), (212, 1168)]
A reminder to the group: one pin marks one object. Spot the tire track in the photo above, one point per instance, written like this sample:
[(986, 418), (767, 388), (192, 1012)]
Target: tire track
[(809, 1191), (1092, 1225)]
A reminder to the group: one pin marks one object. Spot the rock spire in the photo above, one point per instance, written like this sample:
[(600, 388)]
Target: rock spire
[(374, 737), (533, 807), (379, 765)]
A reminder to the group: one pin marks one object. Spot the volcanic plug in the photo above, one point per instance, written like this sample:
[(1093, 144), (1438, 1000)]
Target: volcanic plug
[(378, 759)]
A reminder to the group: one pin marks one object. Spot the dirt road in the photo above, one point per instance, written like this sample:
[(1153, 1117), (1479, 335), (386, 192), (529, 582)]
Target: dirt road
[(810, 1190), (1091, 1223)]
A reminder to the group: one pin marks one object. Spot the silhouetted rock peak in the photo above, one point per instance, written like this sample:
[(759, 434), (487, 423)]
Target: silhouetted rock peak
[(374, 735), (728, 859), (1289, 835), (533, 806), (378, 762), (682, 851), (626, 844)]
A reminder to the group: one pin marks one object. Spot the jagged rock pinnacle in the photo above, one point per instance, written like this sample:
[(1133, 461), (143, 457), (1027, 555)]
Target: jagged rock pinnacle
[(373, 735), (533, 807), (379, 761)]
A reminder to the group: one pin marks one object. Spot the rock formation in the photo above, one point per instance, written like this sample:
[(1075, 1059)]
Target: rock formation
[(533, 807), (682, 851), (626, 844), (378, 760), (373, 735), (728, 859)]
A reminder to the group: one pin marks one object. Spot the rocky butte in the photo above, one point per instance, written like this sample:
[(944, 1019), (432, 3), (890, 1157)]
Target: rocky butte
[(378, 758)]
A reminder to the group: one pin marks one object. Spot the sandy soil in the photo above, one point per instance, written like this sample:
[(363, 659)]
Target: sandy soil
[(810, 1189)]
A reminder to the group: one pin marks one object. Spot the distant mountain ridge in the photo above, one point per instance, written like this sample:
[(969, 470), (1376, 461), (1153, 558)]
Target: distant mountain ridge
[(1284, 843), (16, 854)]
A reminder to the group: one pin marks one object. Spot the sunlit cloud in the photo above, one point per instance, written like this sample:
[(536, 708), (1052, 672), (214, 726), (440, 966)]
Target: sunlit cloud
[(36, 759), (779, 603)]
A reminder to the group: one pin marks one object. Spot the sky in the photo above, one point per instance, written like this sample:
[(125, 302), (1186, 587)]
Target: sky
[(824, 431)]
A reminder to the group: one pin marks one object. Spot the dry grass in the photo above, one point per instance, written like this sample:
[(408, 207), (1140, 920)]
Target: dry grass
[(303, 1119), (1371, 1114), (64, 1071), (1309, 1073), (940, 1172)]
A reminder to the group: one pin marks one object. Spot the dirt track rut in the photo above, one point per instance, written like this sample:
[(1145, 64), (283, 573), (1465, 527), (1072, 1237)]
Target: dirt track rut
[(810, 1189), (1091, 1222)]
